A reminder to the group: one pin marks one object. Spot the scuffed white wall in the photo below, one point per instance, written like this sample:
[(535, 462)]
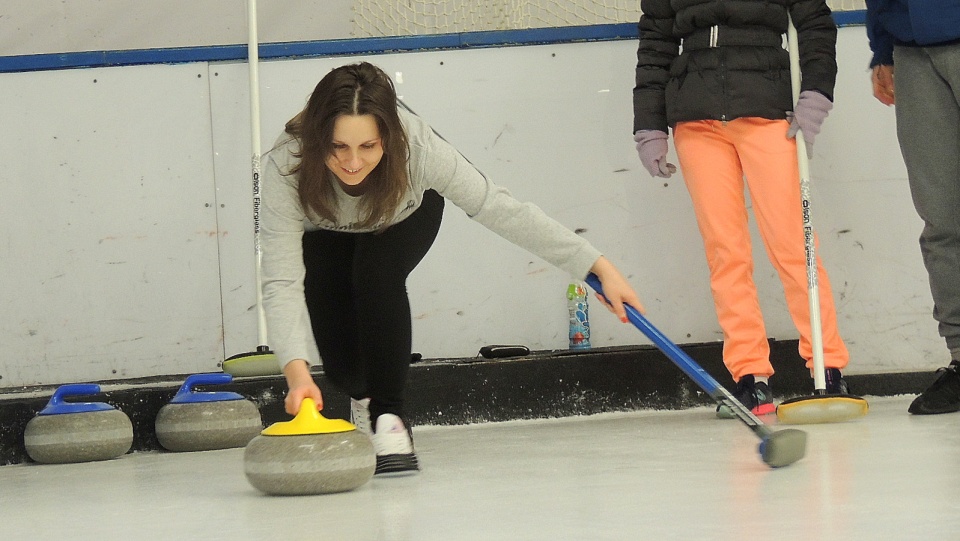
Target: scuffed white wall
[(127, 238)]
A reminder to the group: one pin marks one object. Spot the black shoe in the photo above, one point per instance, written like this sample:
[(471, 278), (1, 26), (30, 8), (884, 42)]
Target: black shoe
[(757, 397), (943, 395), (835, 382)]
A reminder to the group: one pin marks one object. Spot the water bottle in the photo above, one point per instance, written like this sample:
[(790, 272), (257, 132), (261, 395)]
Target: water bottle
[(579, 319)]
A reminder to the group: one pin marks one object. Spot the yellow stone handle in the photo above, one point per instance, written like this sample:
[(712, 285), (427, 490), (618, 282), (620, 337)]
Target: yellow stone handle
[(308, 421)]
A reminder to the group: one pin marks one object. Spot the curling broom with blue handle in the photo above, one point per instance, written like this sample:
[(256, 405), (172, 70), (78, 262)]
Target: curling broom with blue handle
[(777, 448)]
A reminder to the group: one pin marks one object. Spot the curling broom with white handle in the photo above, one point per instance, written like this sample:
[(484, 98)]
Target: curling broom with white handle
[(821, 407), (262, 361)]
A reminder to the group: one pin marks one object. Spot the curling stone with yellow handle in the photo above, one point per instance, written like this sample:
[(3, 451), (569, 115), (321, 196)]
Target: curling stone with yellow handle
[(309, 455)]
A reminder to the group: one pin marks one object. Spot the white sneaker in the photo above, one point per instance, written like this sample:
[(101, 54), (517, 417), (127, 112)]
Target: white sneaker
[(360, 415), (393, 443)]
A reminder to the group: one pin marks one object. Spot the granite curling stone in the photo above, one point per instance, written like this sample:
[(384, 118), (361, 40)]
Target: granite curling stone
[(65, 432), (203, 421), (309, 455)]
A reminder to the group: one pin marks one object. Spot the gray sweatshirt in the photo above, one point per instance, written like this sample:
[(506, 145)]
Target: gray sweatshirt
[(433, 164)]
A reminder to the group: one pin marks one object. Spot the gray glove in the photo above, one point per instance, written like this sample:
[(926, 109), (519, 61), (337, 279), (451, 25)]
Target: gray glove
[(808, 115), (652, 148)]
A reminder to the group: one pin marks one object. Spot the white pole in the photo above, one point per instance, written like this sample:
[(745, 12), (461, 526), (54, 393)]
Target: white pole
[(253, 61), (813, 289)]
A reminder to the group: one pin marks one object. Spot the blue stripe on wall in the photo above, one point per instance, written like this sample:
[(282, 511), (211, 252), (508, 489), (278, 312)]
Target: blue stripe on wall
[(342, 47)]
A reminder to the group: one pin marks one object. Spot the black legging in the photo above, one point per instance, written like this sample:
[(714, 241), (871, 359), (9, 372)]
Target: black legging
[(356, 292)]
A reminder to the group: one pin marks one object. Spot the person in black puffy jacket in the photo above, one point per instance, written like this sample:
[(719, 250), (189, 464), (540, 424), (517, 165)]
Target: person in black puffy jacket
[(718, 73), (922, 38)]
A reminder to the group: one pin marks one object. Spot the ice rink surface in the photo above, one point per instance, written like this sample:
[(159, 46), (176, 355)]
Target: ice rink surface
[(649, 475)]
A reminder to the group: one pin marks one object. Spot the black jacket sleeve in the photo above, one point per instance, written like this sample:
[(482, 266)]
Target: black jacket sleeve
[(817, 34), (657, 49)]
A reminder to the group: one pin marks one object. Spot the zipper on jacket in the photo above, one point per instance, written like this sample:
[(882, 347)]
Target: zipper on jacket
[(714, 38), (723, 87)]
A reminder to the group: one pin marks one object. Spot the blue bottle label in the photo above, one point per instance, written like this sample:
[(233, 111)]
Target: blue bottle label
[(579, 317)]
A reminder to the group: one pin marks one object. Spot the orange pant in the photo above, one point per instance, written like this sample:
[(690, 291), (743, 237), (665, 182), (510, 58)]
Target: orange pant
[(715, 158)]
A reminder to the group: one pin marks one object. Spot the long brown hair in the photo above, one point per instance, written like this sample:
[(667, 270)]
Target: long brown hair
[(354, 89)]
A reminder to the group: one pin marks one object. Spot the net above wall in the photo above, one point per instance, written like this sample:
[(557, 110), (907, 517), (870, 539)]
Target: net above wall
[(417, 17), (375, 18), (847, 5)]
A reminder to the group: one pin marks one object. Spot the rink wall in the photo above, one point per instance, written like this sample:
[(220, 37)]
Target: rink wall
[(130, 243)]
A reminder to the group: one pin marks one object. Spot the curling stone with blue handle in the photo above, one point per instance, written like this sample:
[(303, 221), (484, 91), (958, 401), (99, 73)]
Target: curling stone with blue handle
[(65, 432), (203, 421)]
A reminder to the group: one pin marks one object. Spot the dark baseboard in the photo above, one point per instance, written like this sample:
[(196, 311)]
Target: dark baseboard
[(475, 390)]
